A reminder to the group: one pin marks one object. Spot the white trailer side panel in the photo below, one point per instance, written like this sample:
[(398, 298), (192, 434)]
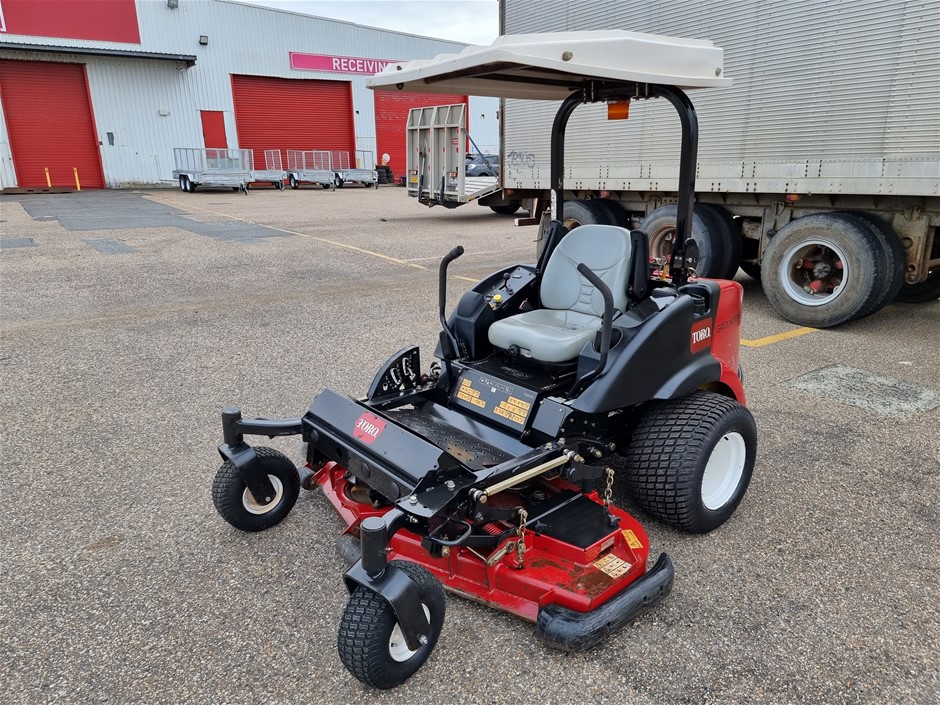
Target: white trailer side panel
[(829, 96)]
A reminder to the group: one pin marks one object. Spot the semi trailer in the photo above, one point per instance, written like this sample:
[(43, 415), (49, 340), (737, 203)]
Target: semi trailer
[(819, 167)]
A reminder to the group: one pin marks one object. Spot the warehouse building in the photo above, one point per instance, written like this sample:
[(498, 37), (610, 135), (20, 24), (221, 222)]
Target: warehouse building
[(102, 91)]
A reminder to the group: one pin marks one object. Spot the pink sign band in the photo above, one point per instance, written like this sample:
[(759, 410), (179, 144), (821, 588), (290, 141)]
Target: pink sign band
[(337, 64)]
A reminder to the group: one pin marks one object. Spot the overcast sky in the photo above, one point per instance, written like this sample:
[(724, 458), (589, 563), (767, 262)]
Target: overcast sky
[(467, 21)]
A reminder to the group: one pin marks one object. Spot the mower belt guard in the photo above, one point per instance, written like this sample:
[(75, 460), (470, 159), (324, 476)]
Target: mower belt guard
[(567, 630)]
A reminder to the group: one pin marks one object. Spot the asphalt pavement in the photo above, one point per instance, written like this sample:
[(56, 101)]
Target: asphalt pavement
[(128, 320)]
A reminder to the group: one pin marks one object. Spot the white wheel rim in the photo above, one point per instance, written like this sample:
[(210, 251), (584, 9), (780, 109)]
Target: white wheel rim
[(397, 647), (724, 470), (253, 507), (798, 281)]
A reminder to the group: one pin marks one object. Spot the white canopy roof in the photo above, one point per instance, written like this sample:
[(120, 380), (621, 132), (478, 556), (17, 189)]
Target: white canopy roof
[(553, 65)]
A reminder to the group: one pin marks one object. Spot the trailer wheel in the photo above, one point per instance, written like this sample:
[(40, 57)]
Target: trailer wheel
[(337, 182), (714, 243), (729, 234), (751, 269), (583, 213), (690, 460), (370, 642), (184, 183), (292, 180), (823, 270), (892, 261), (927, 290), (507, 209), (615, 214), (238, 507)]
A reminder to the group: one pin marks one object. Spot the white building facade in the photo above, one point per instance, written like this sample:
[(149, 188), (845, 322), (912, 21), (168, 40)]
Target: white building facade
[(103, 92)]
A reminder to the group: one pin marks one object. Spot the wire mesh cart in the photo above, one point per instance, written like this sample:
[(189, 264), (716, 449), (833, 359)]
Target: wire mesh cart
[(216, 168), (310, 167), (273, 171), (362, 171)]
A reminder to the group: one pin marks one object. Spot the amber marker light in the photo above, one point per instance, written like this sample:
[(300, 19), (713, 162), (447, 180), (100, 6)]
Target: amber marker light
[(618, 110)]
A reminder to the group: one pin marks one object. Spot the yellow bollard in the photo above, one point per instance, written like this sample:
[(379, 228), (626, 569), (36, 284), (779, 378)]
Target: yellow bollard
[(78, 184), (48, 180)]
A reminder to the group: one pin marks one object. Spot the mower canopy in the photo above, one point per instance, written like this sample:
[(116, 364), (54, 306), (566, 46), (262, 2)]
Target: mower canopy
[(551, 66)]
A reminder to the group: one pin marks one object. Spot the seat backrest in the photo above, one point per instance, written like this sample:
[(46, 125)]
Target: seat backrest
[(605, 249)]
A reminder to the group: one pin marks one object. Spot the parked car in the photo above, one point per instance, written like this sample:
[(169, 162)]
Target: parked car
[(483, 165)]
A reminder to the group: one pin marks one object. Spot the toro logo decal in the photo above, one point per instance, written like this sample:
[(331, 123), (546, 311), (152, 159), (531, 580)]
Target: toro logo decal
[(701, 335), (368, 427)]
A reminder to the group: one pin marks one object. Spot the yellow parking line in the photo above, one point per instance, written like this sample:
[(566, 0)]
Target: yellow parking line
[(771, 339)]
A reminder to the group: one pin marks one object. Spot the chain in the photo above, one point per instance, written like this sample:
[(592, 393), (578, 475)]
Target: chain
[(520, 543), (609, 489)]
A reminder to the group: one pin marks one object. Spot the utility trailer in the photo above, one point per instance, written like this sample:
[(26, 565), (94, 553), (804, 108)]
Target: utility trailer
[(360, 172), (436, 144), (215, 168), (310, 167), (819, 168), (273, 171)]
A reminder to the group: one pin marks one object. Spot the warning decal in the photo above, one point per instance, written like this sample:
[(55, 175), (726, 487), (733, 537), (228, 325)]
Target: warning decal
[(632, 540), (612, 566)]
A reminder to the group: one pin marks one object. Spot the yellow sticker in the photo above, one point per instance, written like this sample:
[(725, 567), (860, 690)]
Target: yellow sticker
[(632, 540), (524, 405), (612, 565)]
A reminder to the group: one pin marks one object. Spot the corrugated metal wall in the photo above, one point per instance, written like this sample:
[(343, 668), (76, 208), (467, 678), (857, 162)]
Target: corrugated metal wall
[(150, 106), (829, 96)]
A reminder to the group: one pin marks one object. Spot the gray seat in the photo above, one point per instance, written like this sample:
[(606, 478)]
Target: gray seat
[(572, 308)]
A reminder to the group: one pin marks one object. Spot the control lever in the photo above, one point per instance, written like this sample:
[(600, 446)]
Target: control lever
[(606, 327), (450, 353)]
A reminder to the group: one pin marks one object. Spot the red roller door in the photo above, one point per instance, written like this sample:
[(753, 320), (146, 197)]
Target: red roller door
[(50, 123), (391, 119), (289, 113)]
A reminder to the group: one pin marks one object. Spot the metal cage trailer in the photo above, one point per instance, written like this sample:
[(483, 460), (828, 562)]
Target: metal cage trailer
[(215, 168), (363, 172), (436, 159), (310, 167), (273, 172)]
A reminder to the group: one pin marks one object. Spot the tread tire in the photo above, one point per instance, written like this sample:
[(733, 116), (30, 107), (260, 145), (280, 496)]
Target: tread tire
[(927, 290), (714, 259), (584, 213), (367, 624), (729, 234), (892, 264), (669, 450), (228, 490), (863, 285)]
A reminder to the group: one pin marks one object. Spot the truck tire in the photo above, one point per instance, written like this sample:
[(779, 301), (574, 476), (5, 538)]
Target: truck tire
[(714, 242), (584, 213), (689, 460), (822, 270), (927, 290), (892, 265), (751, 269), (730, 234), (508, 209), (615, 214)]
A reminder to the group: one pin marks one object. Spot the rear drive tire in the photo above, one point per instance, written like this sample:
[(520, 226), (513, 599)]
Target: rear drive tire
[(690, 460), (370, 642), (714, 245), (823, 270), (235, 503)]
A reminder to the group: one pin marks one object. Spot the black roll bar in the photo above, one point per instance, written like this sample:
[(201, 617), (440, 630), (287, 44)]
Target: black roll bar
[(687, 159)]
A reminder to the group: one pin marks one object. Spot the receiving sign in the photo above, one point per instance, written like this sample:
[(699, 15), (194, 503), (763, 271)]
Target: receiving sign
[(337, 64)]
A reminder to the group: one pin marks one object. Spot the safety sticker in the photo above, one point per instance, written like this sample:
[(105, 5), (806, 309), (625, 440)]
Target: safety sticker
[(468, 394), (632, 540), (612, 566)]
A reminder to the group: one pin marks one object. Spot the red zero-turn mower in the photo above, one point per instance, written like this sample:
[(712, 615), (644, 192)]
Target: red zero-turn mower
[(489, 474)]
